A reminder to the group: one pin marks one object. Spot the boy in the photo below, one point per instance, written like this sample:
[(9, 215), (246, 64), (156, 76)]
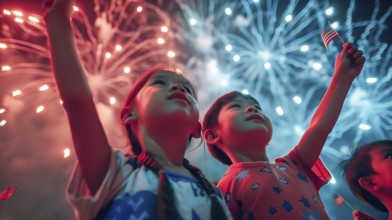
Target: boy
[(237, 133)]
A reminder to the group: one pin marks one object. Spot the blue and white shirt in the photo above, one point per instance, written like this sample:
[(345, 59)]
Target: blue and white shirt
[(130, 192)]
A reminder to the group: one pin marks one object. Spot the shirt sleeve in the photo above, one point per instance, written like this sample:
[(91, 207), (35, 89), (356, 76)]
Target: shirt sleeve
[(228, 190), (87, 206), (223, 203), (318, 173)]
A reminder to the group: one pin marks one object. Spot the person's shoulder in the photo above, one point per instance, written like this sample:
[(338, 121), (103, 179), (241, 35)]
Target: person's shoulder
[(228, 177)]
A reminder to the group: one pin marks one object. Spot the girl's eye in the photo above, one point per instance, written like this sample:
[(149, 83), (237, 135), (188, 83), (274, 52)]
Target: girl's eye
[(388, 155), (234, 106), (158, 81), (259, 108)]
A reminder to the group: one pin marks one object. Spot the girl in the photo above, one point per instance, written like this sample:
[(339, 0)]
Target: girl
[(237, 133), (161, 117), (368, 174)]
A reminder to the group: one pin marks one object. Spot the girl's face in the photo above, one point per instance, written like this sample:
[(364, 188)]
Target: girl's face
[(167, 99), (242, 120)]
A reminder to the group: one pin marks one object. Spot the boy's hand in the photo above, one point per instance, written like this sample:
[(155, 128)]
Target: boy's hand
[(58, 7), (358, 215), (349, 62)]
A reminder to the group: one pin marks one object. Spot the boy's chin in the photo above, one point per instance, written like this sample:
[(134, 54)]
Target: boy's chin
[(257, 132)]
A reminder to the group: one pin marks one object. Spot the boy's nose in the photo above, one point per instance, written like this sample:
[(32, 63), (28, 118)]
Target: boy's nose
[(251, 108), (177, 86)]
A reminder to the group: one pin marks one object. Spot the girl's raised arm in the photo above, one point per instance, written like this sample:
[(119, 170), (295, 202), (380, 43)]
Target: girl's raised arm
[(89, 139)]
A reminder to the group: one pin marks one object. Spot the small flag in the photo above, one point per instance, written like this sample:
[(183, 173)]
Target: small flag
[(339, 200), (7, 193), (328, 37)]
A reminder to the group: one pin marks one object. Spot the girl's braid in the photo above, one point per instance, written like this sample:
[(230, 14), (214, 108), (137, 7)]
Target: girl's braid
[(217, 211), (166, 208)]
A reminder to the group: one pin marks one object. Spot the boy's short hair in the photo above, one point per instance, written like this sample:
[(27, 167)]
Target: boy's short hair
[(360, 165), (211, 120)]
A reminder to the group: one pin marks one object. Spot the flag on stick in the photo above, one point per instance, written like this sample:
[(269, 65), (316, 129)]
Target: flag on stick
[(7, 193), (329, 36), (339, 200)]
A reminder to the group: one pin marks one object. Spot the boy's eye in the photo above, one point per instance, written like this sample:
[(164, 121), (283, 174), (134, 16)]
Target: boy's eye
[(188, 89), (258, 107), (388, 155)]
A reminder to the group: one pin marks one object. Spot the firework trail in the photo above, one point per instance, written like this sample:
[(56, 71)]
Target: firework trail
[(368, 111), (270, 49), (273, 50), (116, 44)]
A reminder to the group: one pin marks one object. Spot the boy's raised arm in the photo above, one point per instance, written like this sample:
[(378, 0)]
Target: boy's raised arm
[(327, 113), (89, 139)]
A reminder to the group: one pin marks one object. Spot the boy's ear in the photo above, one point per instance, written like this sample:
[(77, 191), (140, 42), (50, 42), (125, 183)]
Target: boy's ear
[(368, 184), (128, 115), (197, 132), (211, 137)]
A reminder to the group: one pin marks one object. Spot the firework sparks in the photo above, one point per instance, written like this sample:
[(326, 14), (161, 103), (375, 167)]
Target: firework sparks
[(270, 49), (124, 38)]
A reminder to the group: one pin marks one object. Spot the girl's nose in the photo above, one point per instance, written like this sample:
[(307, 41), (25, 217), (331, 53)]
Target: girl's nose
[(177, 86)]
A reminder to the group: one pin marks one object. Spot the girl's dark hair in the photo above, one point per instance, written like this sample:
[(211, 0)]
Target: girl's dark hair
[(358, 165), (211, 121), (166, 207)]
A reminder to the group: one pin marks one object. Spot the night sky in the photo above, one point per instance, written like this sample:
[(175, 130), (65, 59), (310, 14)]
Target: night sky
[(35, 142)]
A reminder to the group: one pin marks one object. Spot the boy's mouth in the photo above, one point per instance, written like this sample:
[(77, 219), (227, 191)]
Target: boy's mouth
[(255, 117)]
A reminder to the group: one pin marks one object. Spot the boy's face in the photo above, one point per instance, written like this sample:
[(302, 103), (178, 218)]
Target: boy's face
[(241, 121), (382, 165)]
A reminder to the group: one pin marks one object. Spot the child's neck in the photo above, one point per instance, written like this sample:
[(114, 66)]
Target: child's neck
[(166, 164), (249, 157), (167, 149)]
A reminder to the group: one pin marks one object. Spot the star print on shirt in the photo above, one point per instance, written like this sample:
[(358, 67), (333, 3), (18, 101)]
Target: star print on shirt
[(287, 206), (272, 210), (282, 168), (305, 202), (310, 215), (283, 180), (316, 199), (302, 177), (255, 186), (251, 216), (228, 197), (276, 189), (239, 204), (266, 170), (242, 175)]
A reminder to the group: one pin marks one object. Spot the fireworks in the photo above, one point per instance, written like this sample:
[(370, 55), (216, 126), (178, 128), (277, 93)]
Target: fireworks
[(121, 40), (274, 50), (269, 49)]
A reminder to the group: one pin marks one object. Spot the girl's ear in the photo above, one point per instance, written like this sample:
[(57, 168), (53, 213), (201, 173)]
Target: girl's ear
[(128, 115), (197, 132), (211, 137), (368, 184)]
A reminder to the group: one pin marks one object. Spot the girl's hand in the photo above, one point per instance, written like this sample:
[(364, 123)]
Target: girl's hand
[(358, 215), (349, 62), (58, 7)]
